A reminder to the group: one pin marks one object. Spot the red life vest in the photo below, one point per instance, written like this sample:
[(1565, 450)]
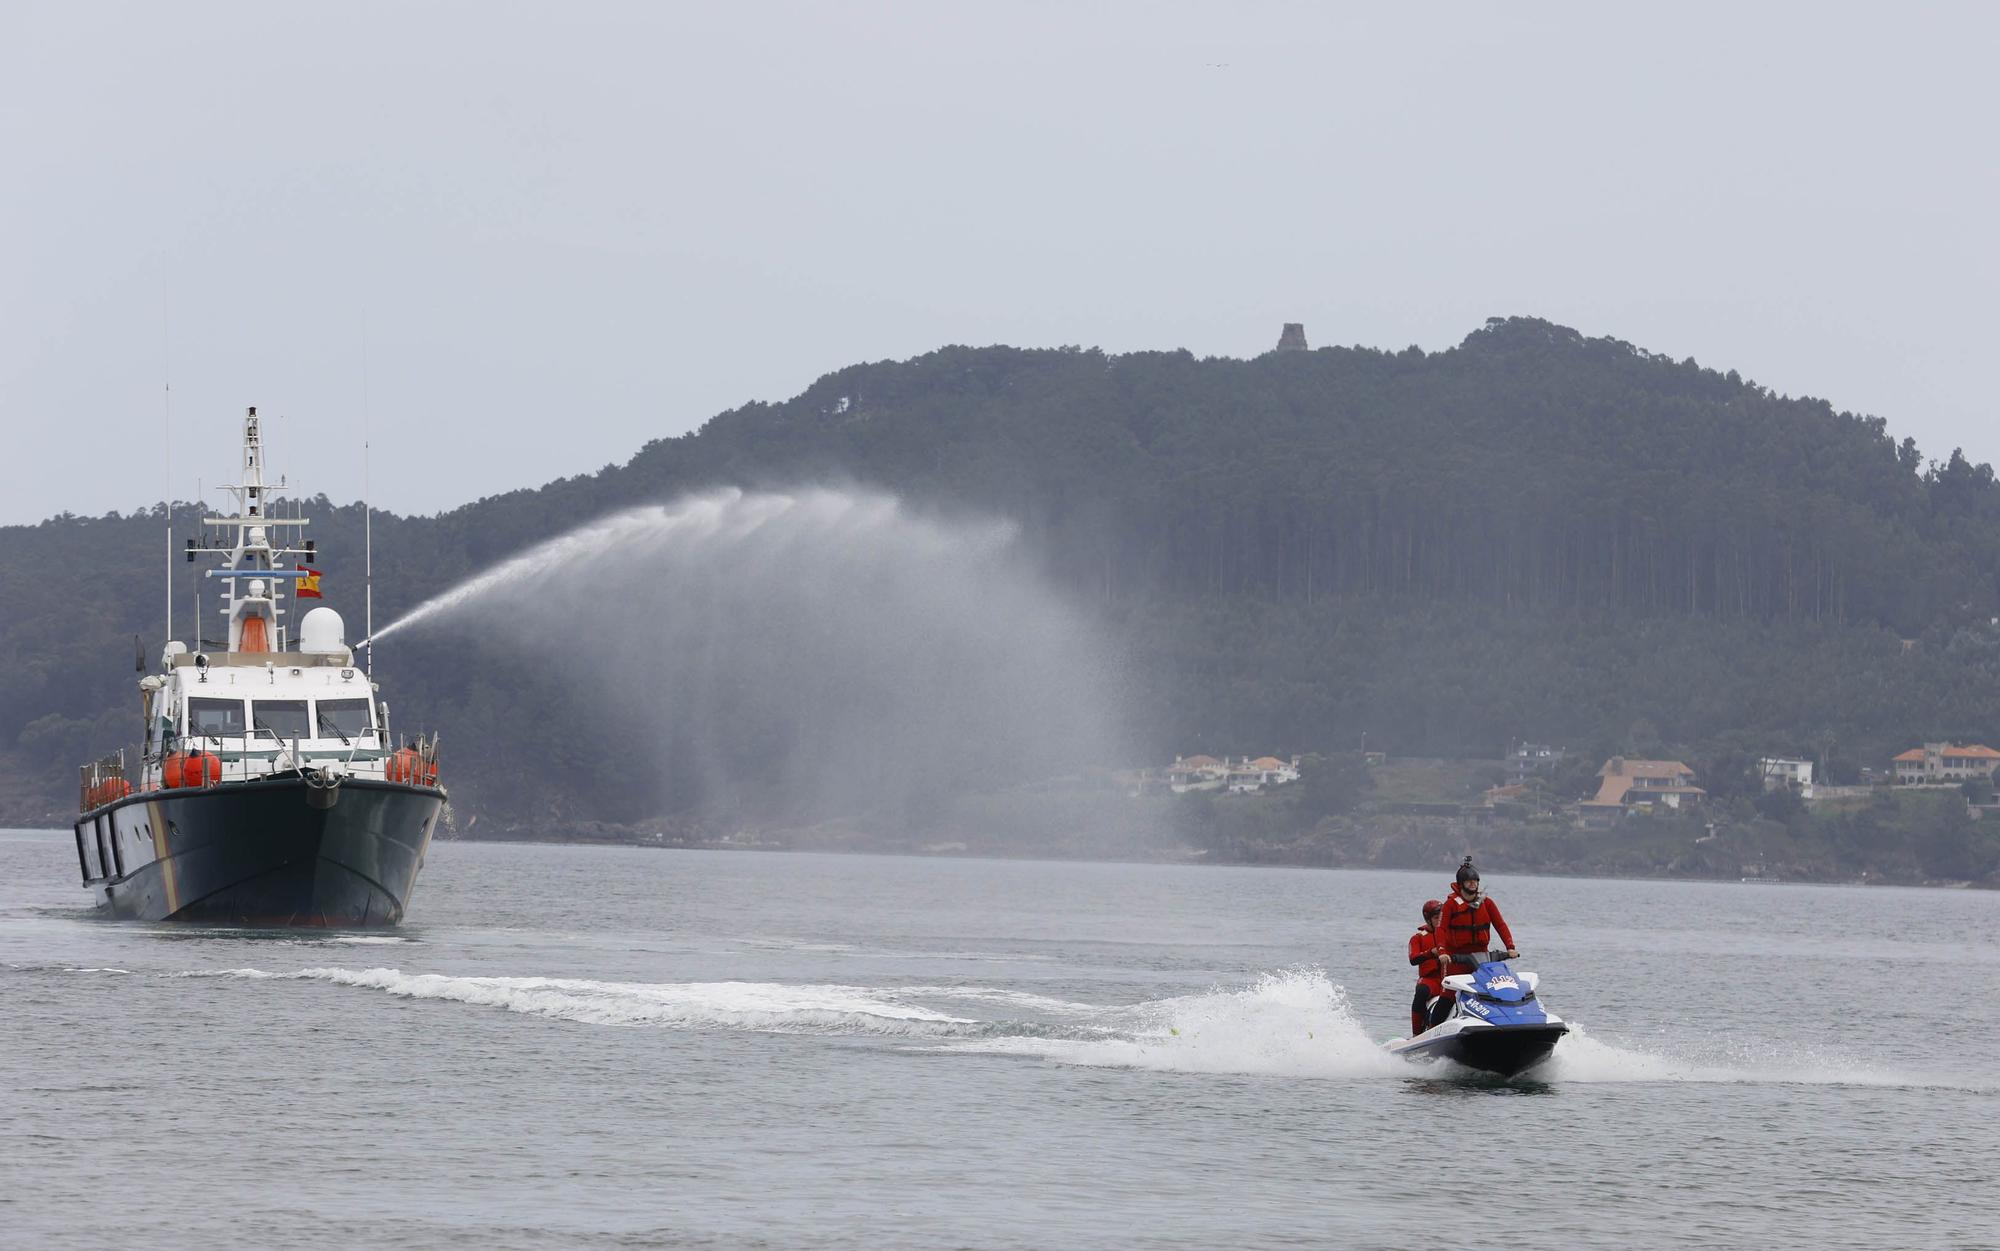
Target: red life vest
[(1423, 948), (1464, 929)]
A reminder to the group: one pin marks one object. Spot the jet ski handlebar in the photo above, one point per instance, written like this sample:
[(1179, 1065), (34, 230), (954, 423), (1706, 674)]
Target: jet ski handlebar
[(1477, 958)]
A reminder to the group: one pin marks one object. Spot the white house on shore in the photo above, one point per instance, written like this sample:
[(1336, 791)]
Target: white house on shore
[(1782, 772), (1254, 775), (1196, 773), (1240, 777)]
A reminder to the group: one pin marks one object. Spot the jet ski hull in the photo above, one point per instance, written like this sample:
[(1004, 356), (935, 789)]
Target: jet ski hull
[(1505, 1050)]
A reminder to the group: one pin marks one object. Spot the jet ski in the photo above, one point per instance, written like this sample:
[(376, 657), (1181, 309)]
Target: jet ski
[(1495, 1024)]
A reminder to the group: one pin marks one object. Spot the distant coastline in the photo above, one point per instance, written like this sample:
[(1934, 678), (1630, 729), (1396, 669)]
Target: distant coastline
[(1495, 860), (779, 843)]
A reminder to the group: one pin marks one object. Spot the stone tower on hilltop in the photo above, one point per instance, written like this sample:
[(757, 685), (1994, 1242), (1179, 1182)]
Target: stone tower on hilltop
[(1293, 339)]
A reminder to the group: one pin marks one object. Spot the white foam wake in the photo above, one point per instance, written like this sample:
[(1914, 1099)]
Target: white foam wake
[(1026, 1000), (764, 1006), (1294, 1023), (1581, 1058)]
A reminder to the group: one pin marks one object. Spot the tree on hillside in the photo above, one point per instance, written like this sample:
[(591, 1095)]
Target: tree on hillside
[(1330, 785)]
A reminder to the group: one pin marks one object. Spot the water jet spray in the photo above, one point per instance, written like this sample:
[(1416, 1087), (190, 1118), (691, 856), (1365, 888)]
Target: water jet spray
[(815, 652)]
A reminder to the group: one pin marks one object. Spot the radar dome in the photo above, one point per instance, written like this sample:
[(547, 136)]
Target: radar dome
[(322, 633)]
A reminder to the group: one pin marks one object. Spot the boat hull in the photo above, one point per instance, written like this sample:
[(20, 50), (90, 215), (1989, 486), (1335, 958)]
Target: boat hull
[(260, 853), (1505, 1050)]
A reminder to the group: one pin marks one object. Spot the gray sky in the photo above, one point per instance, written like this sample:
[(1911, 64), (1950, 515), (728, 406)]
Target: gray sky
[(563, 230)]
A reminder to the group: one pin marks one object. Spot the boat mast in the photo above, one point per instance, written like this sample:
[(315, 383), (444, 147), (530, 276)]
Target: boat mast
[(167, 424), (249, 566), (367, 521), (368, 560), (167, 462)]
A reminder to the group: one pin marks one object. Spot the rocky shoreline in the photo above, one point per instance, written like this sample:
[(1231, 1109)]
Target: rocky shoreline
[(1407, 845)]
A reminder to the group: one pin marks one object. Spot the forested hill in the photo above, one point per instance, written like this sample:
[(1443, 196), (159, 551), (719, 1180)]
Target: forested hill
[(1533, 533), (1528, 466)]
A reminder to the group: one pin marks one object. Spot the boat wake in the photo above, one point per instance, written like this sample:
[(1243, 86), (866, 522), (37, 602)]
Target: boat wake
[(1582, 1058), (1293, 1023), (771, 1007)]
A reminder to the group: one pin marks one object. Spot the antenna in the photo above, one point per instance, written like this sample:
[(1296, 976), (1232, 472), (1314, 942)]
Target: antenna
[(167, 424), (367, 514), (367, 550), (194, 583)]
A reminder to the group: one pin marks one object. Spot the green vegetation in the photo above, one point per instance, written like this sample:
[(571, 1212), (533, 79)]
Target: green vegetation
[(1531, 535)]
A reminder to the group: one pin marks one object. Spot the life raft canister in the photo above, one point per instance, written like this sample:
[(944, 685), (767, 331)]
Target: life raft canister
[(110, 790), (405, 766), (191, 769)]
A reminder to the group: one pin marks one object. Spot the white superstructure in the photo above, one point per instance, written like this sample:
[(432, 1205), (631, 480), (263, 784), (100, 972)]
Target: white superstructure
[(268, 702)]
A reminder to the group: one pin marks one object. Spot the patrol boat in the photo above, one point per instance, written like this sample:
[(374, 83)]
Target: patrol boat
[(267, 790)]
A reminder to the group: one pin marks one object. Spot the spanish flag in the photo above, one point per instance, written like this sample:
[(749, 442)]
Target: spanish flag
[(308, 586)]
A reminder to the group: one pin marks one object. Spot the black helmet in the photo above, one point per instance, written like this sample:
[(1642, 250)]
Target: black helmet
[(1466, 871)]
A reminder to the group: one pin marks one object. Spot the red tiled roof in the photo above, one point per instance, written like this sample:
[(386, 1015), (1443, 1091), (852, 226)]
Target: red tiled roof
[(1976, 751)]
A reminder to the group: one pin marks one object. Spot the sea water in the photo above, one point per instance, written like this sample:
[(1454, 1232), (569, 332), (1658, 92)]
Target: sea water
[(619, 1047)]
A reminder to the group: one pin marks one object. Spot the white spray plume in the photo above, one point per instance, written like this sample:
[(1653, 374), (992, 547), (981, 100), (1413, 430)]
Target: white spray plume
[(823, 648), (713, 517)]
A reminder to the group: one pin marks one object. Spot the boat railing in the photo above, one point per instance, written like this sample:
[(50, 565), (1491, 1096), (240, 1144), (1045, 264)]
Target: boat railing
[(102, 780), (259, 753), (415, 761), (370, 734)]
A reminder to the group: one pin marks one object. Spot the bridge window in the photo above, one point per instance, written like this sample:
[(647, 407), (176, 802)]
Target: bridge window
[(342, 718), (215, 718), (285, 718)]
